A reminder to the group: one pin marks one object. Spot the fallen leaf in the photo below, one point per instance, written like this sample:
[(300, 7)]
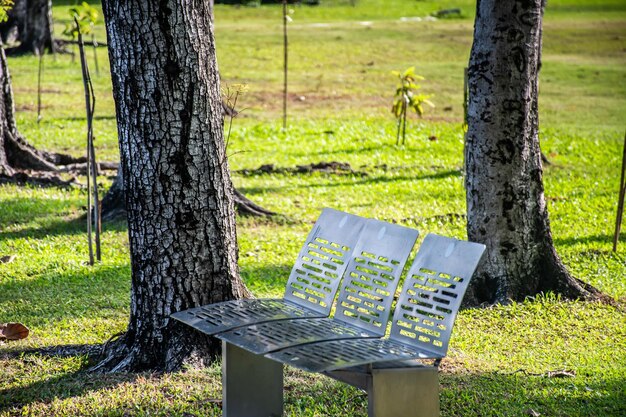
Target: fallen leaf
[(13, 331), (7, 259), (532, 413)]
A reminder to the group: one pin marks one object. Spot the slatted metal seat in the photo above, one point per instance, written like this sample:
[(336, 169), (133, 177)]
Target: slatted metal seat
[(392, 370), (423, 318), (364, 302), (312, 284)]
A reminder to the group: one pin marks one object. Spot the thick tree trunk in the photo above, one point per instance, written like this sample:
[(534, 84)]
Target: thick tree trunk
[(30, 23), (15, 152), (179, 195), (505, 195)]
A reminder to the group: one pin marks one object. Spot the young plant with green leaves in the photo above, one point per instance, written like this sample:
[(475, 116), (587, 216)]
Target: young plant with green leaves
[(5, 6), (407, 98), (84, 18)]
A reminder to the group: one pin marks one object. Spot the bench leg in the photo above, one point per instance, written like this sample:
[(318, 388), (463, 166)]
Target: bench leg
[(252, 385), (406, 392)]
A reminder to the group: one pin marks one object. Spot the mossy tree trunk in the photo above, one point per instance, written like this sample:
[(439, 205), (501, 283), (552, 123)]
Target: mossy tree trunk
[(505, 195), (179, 196)]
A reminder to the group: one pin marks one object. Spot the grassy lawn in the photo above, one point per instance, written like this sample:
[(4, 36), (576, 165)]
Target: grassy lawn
[(340, 97)]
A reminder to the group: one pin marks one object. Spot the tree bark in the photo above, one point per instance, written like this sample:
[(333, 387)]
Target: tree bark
[(179, 196), (15, 152), (30, 23), (505, 196)]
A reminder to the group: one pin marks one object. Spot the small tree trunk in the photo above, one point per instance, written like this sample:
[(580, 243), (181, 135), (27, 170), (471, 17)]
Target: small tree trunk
[(505, 195), (179, 194)]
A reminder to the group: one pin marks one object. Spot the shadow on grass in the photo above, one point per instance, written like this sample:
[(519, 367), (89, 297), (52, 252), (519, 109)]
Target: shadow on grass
[(364, 181), (27, 209), (58, 386), (58, 227), (84, 293), (82, 119), (483, 394), (461, 394), (574, 240)]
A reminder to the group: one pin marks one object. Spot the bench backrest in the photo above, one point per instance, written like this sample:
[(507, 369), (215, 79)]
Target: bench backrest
[(433, 291), (372, 276), (323, 259)]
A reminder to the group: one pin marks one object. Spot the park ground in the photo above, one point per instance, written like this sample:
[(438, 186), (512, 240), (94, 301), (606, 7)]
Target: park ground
[(502, 360)]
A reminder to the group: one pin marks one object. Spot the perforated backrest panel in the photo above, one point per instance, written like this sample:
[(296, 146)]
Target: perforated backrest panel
[(317, 272), (432, 292), (372, 276)]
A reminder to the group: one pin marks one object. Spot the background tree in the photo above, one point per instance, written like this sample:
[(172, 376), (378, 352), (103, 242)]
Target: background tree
[(179, 195), (30, 23), (506, 204), (16, 154)]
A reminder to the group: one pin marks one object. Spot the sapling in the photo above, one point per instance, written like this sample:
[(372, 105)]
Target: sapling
[(620, 200), (39, 75), (407, 97), (84, 17), (286, 19)]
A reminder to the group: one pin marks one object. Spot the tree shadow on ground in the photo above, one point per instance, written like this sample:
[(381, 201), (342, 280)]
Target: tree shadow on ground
[(53, 226), (605, 239), (364, 181), (516, 394), (79, 293), (462, 393), (58, 386), (82, 118)]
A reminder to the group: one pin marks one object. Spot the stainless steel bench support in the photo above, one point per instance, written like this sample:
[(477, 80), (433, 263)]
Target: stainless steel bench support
[(252, 385), (406, 392)]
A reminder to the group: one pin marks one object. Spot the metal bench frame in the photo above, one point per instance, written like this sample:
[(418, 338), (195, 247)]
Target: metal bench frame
[(310, 290), (364, 303), (393, 374)]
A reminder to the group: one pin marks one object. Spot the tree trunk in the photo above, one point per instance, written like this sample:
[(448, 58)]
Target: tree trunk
[(30, 23), (505, 196), (179, 195), (15, 152)]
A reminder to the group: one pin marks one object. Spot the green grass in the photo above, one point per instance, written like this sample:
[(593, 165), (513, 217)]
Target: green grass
[(341, 90)]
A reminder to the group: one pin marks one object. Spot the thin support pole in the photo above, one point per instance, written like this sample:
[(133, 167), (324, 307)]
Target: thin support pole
[(94, 42), (93, 212), (620, 202), (39, 76), (465, 97), (285, 63), (404, 110), (465, 114)]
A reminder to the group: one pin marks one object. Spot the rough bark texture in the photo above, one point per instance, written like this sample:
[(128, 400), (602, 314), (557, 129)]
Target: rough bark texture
[(15, 152), (30, 23), (505, 195), (179, 195)]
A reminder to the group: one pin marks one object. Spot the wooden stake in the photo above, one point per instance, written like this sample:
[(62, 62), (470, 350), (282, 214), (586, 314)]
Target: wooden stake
[(285, 66), (94, 42), (93, 212), (620, 201), (465, 95), (39, 74)]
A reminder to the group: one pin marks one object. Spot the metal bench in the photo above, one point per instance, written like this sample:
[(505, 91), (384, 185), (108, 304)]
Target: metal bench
[(392, 370), (312, 284), (364, 303)]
